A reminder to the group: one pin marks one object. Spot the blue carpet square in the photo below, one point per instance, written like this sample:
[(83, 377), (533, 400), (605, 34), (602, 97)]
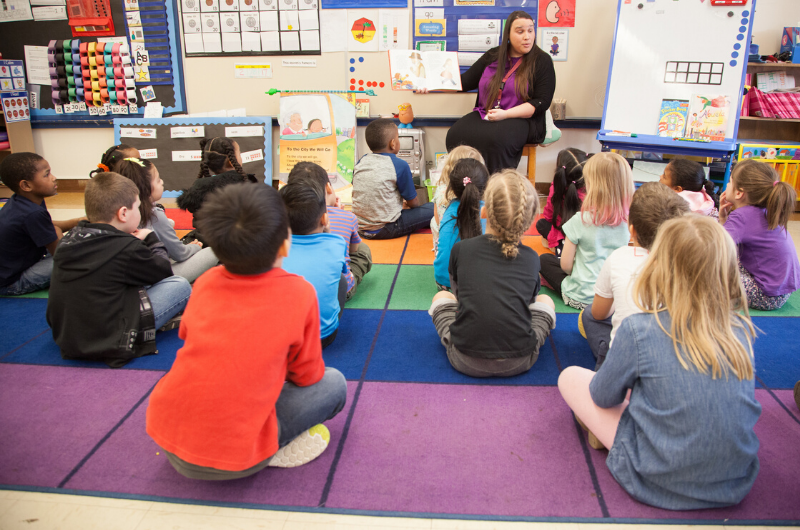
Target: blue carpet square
[(572, 348), (409, 350), (349, 351), (21, 319), (777, 351), (43, 351)]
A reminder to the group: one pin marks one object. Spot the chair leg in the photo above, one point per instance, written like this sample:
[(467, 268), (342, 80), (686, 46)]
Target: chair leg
[(531, 163)]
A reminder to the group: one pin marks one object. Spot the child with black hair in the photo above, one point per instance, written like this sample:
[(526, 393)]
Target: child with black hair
[(462, 218), (358, 256), (381, 182), (113, 156), (112, 285), (316, 255), (28, 235), (688, 179), (240, 395), (221, 165), (188, 261), (566, 196)]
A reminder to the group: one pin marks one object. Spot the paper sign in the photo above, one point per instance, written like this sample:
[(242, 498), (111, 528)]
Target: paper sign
[(196, 131), (130, 132), (153, 110), (251, 156), (252, 71), (299, 63), (148, 154), (239, 132), (15, 106), (428, 3), (189, 156)]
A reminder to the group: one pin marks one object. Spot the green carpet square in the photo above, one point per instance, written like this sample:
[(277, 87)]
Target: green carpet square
[(790, 309), (44, 293), (414, 288), (561, 307), (374, 288)]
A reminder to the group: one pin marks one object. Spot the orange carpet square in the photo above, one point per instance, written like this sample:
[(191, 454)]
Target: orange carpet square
[(386, 250), (419, 250), (535, 242)]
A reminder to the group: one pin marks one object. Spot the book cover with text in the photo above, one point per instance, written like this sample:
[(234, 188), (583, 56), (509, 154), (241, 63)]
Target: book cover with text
[(708, 117), (672, 117)]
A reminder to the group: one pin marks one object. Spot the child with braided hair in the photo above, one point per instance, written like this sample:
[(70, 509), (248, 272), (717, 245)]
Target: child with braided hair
[(495, 320), (187, 261), (113, 156), (221, 165)]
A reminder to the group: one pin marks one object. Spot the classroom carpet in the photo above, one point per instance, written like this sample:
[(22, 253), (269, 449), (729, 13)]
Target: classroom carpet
[(416, 438)]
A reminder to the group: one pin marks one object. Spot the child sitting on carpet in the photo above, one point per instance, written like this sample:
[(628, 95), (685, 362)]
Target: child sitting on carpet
[(316, 255), (380, 183), (112, 284), (28, 235), (592, 235), (688, 179), (493, 323), (755, 209), (221, 165), (358, 256), (241, 395), (188, 261), (462, 218), (684, 437), (442, 196), (113, 156), (564, 200), (652, 204)]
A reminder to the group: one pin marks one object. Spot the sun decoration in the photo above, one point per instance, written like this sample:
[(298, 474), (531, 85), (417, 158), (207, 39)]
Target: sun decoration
[(363, 30)]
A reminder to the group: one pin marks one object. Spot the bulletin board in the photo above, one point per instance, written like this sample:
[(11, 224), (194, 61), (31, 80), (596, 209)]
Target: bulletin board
[(177, 150), (650, 62), (154, 24)]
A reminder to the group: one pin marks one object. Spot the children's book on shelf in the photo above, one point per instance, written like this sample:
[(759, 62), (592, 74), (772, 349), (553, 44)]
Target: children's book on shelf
[(672, 118), (362, 108), (434, 70), (708, 117)]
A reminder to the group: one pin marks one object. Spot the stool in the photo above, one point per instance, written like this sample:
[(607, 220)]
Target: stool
[(552, 135), (529, 150)]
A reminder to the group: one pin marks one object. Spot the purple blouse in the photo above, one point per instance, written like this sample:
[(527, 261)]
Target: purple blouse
[(508, 98)]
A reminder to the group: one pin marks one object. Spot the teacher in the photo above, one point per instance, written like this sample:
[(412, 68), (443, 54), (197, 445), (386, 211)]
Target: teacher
[(515, 83)]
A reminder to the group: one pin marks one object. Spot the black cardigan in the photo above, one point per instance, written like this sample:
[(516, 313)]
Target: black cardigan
[(540, 88)]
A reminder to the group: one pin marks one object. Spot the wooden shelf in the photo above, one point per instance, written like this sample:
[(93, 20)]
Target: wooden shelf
[(757, 118), (769, 67)]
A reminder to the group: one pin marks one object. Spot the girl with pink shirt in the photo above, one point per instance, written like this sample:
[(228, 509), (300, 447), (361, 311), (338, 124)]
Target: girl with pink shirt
[(566, 196)]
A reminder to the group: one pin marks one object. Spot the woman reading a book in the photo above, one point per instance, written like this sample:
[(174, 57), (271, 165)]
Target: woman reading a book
[(515, 83)]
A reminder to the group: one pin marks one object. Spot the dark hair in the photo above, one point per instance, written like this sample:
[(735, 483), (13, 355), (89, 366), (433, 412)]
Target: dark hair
[(309, 171), (216, 152), (524, 73), (305, 206), (567, 180), (141, 173), (245, 224), (312, 121), (18, 166), (652, 205), (690, 176), (113, 156), (106, 193), (379, 133), (764, 189), (468, 217)]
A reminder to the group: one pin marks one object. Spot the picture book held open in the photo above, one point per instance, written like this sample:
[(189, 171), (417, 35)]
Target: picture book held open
[(434, 70), (708, 117)]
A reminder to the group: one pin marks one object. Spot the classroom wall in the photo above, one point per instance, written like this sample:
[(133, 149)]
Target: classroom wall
[(210, 85)]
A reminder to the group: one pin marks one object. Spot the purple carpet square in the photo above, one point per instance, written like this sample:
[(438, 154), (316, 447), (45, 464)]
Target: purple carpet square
[(776, 491), (787, 398), (52, 417), (131, 462), (462, 449)]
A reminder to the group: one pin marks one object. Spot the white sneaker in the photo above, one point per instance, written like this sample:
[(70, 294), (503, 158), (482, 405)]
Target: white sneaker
[(303, 449)]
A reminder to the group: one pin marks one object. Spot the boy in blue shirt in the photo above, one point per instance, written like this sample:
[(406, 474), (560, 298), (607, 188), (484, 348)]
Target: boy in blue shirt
[(28, 236), (315, 254), (380, 183)]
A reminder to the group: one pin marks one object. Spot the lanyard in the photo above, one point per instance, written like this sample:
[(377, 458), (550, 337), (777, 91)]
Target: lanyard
[(503, 83)]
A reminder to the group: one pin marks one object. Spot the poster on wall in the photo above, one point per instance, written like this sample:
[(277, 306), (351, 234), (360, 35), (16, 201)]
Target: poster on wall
[(556, 13), (319, 128), (555, 41), (362, 25)]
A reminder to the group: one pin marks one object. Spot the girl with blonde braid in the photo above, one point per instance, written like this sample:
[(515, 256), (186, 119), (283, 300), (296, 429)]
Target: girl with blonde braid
[(495, 321)]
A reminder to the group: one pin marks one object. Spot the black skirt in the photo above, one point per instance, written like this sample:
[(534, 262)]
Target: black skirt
[(500, 142)]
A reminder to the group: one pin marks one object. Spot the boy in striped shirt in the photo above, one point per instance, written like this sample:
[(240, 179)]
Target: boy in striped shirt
[(358, 256)]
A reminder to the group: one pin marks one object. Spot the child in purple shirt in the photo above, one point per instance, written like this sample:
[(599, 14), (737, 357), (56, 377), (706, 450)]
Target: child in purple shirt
[(755, 209)]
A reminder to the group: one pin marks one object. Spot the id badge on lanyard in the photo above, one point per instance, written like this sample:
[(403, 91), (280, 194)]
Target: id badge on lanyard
[(503, 83)]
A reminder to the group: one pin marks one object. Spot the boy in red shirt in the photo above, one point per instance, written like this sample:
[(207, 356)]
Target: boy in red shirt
[(245, 393)]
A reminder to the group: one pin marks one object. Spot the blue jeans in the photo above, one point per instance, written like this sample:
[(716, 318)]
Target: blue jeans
[(168, 298), (410, 220), (301, 407), (36, 277), (598, 333)]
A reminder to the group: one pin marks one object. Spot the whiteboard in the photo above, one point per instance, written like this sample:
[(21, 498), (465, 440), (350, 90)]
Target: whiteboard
[(654, 36)]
